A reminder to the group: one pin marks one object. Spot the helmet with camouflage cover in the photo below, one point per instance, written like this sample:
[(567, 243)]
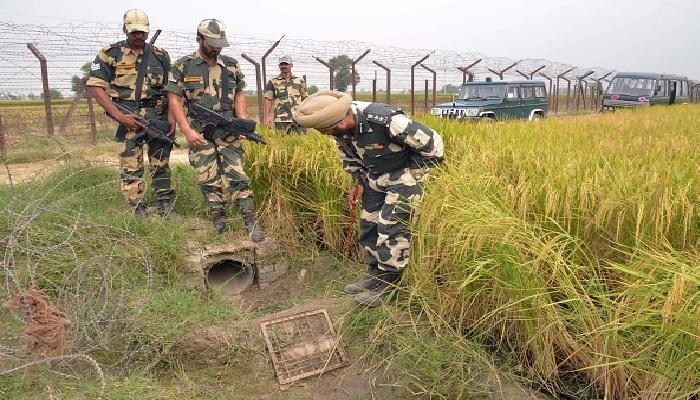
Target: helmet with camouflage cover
[(214, 32)]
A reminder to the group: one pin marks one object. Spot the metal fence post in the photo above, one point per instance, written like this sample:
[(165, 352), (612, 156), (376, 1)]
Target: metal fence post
[(568, 89), (434, 81), (374, 90), (413, 82), (550, 97), (466, 72), (258, 87), (264, 58), (353, 79), (91, 115), (330, 70), (503, 71), (2, 137), (45, 82), (388, 80)]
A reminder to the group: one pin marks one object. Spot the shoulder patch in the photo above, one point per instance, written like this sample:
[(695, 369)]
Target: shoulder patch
[(377, 118), (193, 78)]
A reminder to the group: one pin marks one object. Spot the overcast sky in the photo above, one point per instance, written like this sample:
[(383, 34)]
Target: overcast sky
[(625, 35)]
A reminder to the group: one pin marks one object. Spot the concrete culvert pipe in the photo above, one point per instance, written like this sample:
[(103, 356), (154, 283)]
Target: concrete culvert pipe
[(230, 276)]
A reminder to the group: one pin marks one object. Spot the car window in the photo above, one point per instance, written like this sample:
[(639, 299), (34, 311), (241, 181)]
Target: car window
[(527, 92), (540, 92), (512, 93), (662, 85)]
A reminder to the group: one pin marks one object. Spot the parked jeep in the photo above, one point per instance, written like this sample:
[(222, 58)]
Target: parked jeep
[(639, 89), (496, 101)]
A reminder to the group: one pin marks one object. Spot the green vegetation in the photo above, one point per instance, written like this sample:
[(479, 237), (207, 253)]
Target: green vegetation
[(564, 251)]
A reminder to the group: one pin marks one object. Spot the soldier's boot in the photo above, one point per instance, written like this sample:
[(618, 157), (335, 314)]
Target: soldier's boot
[(165, 210), (375, 297), (253, 226), (218, 218), (140, 210), (369, 282)]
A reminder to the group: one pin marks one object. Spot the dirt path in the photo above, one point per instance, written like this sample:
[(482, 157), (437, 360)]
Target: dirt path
[(18, 173)]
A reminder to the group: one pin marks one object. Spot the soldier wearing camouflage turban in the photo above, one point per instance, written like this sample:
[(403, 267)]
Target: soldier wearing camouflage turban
[(215, 81), (113, 79), (284, 92), (387, 155)]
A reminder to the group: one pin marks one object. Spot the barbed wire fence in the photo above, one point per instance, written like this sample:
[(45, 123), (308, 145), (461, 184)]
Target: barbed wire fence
[(424, 75)]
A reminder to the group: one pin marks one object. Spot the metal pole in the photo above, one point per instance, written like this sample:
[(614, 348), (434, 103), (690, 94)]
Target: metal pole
[(353, 79), (413, 83), (434, 80), (374, 90), (330, 70), (388, 80), (466, 72), (556, 103), (258, 86), (568, 88), (536, 71), (523, 75), (91, 115), (550, 97), (425, 97), (264, 58), (45, 82), (2, 137)]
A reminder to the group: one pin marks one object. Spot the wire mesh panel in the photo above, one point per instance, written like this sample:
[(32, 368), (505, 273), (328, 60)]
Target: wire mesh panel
[(302, 345)]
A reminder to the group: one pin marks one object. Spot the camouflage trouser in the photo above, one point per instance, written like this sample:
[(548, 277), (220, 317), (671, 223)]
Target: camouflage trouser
[(215, 161), (131, 167), (289, 127), (387, 205)]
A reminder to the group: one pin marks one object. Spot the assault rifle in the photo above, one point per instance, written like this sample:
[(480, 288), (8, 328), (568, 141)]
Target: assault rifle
[(211, 120), (152, 129)]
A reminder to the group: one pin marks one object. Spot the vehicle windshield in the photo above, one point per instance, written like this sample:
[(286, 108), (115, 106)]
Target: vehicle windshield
[(632, 86), (476, 92)]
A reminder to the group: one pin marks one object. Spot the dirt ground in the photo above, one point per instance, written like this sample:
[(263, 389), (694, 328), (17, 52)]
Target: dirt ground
[(206, 353)]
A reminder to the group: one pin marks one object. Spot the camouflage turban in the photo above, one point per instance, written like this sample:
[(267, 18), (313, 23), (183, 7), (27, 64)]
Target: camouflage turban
[(322, 109)]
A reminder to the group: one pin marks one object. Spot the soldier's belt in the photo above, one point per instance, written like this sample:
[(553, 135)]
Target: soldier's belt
[(145, 103)]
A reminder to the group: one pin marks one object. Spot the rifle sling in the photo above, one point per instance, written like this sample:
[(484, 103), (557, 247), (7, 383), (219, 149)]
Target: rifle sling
[(224, 99), (143, 68)]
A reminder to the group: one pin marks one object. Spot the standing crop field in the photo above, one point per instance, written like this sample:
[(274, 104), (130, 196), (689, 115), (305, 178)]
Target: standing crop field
[(563, 252), (570, 246)]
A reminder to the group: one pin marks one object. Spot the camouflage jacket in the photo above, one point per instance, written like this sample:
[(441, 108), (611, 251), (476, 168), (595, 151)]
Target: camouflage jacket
[(192, 78), (286, 94), (386, 137), (115, 69)]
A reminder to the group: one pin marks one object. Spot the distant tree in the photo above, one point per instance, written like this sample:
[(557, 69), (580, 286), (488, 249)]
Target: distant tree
[(77, 83), (32, 96), (342, 66), (54, 93), (312, 89)]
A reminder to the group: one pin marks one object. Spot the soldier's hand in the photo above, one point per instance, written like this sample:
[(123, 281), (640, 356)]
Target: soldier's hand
[(268, 122), (355, 195), (193, 137), (130, 122)]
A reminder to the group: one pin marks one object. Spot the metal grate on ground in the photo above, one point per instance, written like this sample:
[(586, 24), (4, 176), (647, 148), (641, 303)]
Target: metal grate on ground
[(302, 345)]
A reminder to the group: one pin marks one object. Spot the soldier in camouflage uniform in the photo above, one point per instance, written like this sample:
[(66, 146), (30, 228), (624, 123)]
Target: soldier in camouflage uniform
[(113, 78), (387, 155), (284, 92), (198, 78)]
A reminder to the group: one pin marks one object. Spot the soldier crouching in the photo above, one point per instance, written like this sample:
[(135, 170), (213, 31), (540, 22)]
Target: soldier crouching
[(387, 155)]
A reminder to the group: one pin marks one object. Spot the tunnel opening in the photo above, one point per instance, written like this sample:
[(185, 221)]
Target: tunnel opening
[(231, 277)]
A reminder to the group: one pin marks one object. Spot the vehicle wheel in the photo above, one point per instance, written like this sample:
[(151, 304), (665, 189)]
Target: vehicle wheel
[(488, 119), (537, 116)]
